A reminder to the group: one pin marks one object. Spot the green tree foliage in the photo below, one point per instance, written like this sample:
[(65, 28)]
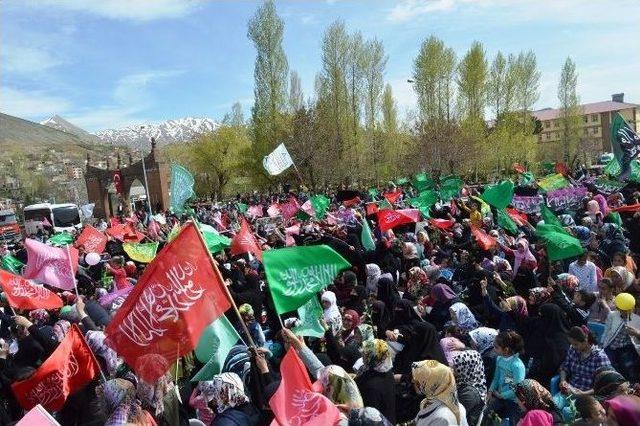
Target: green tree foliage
[(472, 83), (570, 118), (433, 73)]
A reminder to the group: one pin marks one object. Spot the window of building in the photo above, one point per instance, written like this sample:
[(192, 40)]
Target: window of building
[(555, 123), (585, 118), (585, 131), (547, 124), (548, 136), (594, 118)]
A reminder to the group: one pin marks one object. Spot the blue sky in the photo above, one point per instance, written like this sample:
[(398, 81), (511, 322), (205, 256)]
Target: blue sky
[(108, 63)]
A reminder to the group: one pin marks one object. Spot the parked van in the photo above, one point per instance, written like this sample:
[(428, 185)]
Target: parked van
[(62, 217)]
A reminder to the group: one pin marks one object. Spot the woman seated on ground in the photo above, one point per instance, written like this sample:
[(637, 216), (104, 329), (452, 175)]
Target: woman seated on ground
[(589, 411), (624, 410), (583, 360), (440, 406), (375, 378), (482, 339)]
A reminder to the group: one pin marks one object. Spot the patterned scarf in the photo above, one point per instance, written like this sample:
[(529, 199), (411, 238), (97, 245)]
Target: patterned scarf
[(376, 355), (534, 396), (436, 382), (338, 386)]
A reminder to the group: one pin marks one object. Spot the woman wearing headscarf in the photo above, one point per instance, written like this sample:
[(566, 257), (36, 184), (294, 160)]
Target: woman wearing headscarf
[(373, 274), (437, 383), (358, 300), (120, 406), (594, 213), (160, 398), (482, 339), (546, 343), (331, 314), (337, 385), (524, 266), (537, 296), (533, 396), (380, 318), (468, 370), (613, 240), (375, 378), (608, 383), (419, 338), (510, 314), (350, 333), (107, 357), (387, 293), (416, 283), (226, 402), (443, 298), (462, 317), (624, 410)]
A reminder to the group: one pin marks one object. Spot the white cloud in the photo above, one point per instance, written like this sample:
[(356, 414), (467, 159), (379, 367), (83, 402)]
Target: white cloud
[(130, 10), (104, 117), (411, 9), (134, 88), (27, 60), (30, 104)]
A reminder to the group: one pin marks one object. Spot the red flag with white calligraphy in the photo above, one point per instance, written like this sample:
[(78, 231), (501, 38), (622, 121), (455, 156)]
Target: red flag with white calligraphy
[(245, 242), (126, 232), (295, 402), (93, 240), (71, 366), (392, 197), (178, 295), (389, 219), (23, 294), (483, 239)]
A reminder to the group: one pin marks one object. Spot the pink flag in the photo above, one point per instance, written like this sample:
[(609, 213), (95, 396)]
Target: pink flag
[(110, 297), (307, 207), (290, 232), (273, 210), (414, 214), (255, 211), (51, 265), (290, 208)]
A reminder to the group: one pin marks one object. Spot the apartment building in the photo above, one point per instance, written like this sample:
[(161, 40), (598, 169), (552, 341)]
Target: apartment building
[(595, 120)]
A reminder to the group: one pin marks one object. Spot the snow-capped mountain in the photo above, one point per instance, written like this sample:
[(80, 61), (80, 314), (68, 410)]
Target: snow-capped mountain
[(59, 123), (166, 132)]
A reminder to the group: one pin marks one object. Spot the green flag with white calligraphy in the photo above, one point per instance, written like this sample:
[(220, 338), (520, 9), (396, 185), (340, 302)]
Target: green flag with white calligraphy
[(296, 274), (216, 341), (181, 187), (310, 314)]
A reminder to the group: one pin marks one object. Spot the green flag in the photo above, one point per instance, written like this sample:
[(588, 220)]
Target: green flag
[(214, 345), (608, 186), (174, 232), (11, 264), (366, 237), (548, 216), (373, 192), (320, 204), (553, 182), (242, 207), (61, 239), (526, 178), (506, 223), (402, 181), (499, 195), (422, 182), (559, 244), (143, 253), (450, 186), (296, 274), (181, 187), (424, 201), (214, 240), (614, 217), (310, 314), (613, 169)]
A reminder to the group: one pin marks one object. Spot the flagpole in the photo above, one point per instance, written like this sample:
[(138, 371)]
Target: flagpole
[(224, 285), (73, 276)]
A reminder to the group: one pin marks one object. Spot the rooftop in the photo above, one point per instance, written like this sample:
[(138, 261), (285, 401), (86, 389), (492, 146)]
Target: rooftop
[(593, 108)]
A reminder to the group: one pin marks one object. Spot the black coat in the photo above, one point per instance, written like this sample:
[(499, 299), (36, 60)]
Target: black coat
[(378, 390)]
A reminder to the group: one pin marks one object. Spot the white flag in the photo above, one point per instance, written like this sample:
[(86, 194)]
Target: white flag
[(278, 161)]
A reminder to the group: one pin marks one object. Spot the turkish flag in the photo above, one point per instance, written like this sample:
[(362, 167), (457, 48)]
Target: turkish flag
[(23, 294), (484, 240), (71, 366), (295, 402), (244, 241), (389, 219), (93, 240), (392, 197), (442, 223), (178, 295), (117, 181)]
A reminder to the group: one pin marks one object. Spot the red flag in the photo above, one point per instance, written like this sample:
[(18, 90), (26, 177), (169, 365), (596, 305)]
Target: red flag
[(244, 241), (518, 168), (93, 240), (23, 294), (351, 202), (392, 197), (295, 403), (70, 367), (518, 217), (289, 209), (114, 221), (627, 209), (372, 208), (126, 232), (562, 168), (51, 265), (442, 223), (389, 219), (484, 240), (117, 181), (178, 295)]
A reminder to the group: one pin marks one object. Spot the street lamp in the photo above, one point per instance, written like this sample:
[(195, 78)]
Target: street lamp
[(146, 184)]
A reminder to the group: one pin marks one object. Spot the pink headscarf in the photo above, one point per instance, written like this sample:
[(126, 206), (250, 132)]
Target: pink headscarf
[(520, 256), (626, 409), (537, 418), (602, 203), (449, 346)]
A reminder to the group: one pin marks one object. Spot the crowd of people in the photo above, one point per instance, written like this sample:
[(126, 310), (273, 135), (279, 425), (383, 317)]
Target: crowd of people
[(429, 327)]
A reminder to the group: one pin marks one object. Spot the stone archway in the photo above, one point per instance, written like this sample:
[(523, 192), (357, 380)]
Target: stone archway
[(100, 179)]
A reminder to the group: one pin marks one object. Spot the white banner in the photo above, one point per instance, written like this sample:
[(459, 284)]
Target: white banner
[(278, 161)]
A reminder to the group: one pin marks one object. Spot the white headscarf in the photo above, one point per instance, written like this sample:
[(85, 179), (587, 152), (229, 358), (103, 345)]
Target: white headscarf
[(373, 275), (332, 314)]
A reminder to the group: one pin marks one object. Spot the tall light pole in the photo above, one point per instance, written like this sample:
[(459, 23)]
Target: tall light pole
[(146, 184)]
